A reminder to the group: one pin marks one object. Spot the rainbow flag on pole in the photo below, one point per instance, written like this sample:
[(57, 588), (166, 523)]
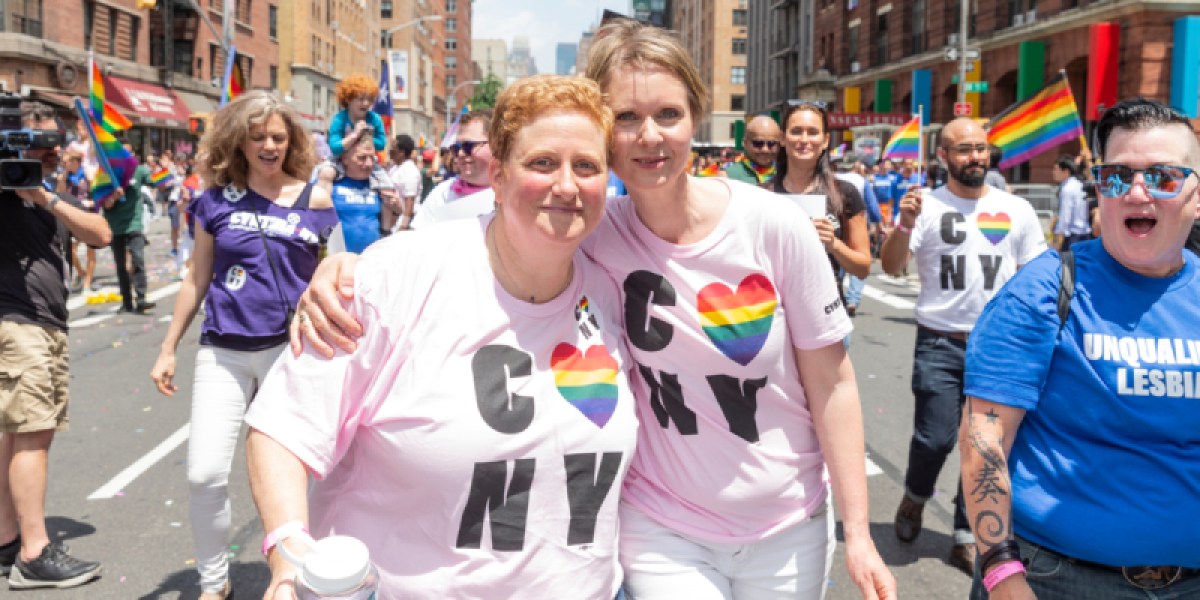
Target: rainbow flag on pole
[(116, 163), (234, 82), (1040, 123), (103, 112), (906, 141), (162, 178)]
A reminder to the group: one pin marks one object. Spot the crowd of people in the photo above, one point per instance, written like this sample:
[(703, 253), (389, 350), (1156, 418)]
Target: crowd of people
[(589, 363)]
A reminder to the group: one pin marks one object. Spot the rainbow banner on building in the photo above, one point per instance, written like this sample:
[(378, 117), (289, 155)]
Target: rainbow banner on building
[(1040, 123), (905, 142), (234, 82)]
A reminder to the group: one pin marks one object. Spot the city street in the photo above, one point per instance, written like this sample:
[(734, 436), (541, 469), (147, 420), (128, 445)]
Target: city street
[(118, 491)]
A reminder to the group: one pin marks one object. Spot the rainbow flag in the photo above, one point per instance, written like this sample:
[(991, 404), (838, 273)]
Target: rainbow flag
[(906, 141), (234, 81), (116, 163), (452, 131), (102, 111), (162, 178), (838, 153), (712, 170), (1040, 123)]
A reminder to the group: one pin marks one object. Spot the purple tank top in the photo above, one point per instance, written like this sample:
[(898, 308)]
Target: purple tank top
[(247, 304)]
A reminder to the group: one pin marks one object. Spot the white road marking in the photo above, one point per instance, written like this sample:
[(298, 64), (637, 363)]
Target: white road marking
[(155, 296), (132, 472), (888, 299), (872, 468)]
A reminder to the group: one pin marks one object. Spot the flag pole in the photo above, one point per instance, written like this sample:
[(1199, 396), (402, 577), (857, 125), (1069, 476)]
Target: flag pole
[(100, 156), (1083, 143), (920, 143)]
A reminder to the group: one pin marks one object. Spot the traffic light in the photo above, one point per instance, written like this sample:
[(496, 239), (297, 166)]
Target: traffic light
[(147, 4), (198, 124)]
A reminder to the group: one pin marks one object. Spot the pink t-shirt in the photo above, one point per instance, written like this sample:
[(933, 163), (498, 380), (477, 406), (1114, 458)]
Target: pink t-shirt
[(476, 443), (726, 451)]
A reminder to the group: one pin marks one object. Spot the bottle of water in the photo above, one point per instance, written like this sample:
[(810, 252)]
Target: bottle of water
[(335, 568)]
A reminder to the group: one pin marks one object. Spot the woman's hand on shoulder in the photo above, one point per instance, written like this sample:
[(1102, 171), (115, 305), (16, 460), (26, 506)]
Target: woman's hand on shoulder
[(321, 318)]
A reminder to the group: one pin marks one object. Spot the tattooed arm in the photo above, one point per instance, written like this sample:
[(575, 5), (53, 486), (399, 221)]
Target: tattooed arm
[(986, 438)]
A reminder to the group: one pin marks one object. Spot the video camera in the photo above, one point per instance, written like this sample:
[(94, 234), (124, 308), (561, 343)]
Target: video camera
[(17, 172)]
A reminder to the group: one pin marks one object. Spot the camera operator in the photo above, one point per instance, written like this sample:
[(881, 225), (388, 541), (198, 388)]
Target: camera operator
[(34, 225)]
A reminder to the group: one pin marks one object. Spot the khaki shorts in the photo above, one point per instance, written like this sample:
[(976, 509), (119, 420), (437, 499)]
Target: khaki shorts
[(34, 378)]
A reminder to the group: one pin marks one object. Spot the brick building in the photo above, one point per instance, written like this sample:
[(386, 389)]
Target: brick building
[(887, 55), (43, 55), (412, 44), (715, 33)]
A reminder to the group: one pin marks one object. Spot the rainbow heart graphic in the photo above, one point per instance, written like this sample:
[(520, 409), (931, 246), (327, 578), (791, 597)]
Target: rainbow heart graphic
[(738, 322), (993, 227), (587, 380)]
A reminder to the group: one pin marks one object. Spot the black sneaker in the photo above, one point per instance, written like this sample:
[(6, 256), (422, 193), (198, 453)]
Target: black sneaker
[(8, 555), (54, 568), (144, 307)]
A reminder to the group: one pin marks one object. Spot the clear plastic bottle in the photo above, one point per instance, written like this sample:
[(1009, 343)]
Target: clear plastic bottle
[(335, 568)]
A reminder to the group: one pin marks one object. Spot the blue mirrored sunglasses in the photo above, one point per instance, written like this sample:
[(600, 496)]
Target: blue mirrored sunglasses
[(1163, 182), (467, 148)]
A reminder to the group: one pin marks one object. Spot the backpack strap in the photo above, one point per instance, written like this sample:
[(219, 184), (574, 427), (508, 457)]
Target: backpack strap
[(1066, 286)]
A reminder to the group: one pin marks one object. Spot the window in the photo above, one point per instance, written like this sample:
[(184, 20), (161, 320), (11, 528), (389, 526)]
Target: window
[(243, 11), (26, 17), (385, 9), (852, 47), (451, 43), (451, 81), (740, 17), (451, 25), (215, 63), (274, 77), (737, 103), (1021, 12), (89, 18), (385, 39), (273, 21), (451, 6), (739, 45), (738, 76), (918, 27), (881, 39), (451, 62)]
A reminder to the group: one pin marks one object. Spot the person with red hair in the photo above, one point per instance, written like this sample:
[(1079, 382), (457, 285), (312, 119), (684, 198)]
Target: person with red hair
[(356, 94)]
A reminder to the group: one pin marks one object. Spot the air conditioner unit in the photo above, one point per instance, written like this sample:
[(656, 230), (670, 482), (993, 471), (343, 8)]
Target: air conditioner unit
[(854, 67), (1030, 17), (1018, 19)]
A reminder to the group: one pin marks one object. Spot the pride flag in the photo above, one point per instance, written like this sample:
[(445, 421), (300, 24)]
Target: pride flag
[(103, 112), (116, 163), (711, 170), (906, 141), (452, 131), (838, 153), (234, 81), (383, 105), (162, 178), (1040, 123)]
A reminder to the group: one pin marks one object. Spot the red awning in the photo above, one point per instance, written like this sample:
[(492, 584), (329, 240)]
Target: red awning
[(147, 103)]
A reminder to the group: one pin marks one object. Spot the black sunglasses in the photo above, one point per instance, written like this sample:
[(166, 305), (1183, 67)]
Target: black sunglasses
[(468, 148), (818, 104), (769, 144), (1163, 182)]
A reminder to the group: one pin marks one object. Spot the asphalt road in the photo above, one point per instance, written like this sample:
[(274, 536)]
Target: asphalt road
[(118, 490)]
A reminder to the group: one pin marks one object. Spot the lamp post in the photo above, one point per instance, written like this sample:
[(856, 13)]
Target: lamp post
[(405, 24), (451, 101)]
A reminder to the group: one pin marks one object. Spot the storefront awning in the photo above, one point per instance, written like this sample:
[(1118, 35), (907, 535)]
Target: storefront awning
[(148, 104), (197, 104), (54, 98)]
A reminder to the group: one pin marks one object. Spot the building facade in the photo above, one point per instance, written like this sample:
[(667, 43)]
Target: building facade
[(655, 12), (564, 58), (459, 66), (520, 60), (492, 58), (44, 56), (411, 45), (780, 56), (715, 33)]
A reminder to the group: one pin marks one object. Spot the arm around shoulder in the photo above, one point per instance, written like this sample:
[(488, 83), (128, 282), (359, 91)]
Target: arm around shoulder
[(320, 197)]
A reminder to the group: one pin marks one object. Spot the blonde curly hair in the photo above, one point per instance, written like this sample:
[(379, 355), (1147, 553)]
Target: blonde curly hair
[(220, 158)]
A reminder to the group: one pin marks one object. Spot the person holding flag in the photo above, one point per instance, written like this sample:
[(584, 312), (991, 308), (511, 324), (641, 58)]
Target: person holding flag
[(968, 240)]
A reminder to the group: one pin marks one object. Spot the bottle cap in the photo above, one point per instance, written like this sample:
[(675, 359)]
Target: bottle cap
[(336, 564)]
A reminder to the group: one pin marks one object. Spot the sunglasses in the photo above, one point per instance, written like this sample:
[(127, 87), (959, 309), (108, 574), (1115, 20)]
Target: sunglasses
[(468, 148), (759, 144), (821, 104), (1163, 182)]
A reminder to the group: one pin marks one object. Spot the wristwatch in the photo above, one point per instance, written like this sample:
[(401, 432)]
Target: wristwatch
[(54, 199)]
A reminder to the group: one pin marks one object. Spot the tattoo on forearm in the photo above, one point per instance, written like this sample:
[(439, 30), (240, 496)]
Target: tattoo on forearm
[(991, 481), (991, 528)]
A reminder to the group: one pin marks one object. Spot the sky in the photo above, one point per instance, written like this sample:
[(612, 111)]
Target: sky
[(544, 22)]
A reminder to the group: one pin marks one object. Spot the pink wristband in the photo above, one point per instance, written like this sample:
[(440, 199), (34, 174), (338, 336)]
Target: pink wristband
[(1002, 572), (281, 533), (900, 227)]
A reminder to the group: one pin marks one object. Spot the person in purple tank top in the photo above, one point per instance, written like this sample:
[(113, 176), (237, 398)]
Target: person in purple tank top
[(259, 228)]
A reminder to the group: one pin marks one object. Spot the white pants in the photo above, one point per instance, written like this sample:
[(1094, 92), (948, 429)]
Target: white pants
[(661, 564), (225, 382)]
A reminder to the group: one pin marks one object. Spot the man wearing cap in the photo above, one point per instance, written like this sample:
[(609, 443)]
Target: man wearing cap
[(761, 143), (406, 176), (874, 220)]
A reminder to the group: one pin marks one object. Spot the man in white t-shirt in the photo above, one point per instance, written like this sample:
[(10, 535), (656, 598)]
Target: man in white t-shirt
[(406, 177), (472, 157), (968, 240)]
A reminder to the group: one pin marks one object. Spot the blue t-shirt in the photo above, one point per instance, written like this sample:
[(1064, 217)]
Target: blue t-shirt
[(244, 309), (884, 185), (358, 209), (1106, 463)]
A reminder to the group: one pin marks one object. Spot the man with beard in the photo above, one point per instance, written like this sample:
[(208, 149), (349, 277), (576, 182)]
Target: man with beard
[(968, 239), (761, 144)]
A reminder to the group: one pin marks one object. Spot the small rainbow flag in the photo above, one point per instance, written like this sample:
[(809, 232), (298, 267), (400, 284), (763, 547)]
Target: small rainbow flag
[(587, 380), (838, 153), (711, 170), (738, 321), (906, 141), (1031, 127), (116, 163), (102, 111), (162, 178), (235, 80)]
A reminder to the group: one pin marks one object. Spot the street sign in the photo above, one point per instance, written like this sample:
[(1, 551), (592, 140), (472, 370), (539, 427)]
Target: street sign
[(951, 54), (962, 109), (977, 86)]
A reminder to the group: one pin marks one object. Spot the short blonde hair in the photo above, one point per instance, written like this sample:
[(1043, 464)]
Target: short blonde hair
[(221, 161), (523, 102), (626, 42)]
